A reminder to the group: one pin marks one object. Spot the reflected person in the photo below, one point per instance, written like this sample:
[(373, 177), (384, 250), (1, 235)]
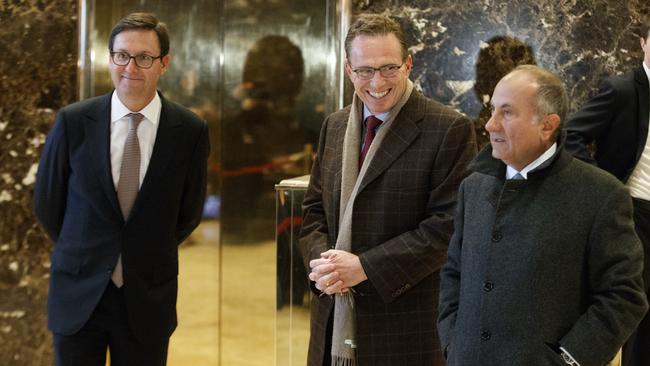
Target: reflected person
[(260, 133), (378, 209), (616, 122), (544, 267), (120, 185), (500, 55)]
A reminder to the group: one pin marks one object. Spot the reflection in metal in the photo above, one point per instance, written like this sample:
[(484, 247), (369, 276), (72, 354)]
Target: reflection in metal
[(344, 21), (263, 75), (84, 64)]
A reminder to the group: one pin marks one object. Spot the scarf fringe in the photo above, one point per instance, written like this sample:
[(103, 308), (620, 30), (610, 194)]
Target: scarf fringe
[(340, 361)]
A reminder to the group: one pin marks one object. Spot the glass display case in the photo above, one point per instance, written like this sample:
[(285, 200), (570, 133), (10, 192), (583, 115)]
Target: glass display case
[(292, 321)]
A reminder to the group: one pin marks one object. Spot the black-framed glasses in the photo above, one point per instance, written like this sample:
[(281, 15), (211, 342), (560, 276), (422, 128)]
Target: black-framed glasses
[(387, 71), (142, 61)]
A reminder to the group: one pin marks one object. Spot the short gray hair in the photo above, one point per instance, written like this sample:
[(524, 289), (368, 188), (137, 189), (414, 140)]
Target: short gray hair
[(551, 97)]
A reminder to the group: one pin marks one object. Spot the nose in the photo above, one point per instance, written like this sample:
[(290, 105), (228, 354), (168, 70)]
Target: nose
[(131, 66), (377, 79), (492, 124)]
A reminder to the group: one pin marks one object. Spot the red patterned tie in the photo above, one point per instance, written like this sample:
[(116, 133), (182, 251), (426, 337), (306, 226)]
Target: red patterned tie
[(371, 124)]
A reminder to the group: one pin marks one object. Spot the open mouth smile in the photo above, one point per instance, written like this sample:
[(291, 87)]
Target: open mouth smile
[(378, 95)]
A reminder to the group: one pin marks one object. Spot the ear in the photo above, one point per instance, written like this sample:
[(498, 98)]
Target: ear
[(550, 123), (348, 69), (409, 64), (164, 63)]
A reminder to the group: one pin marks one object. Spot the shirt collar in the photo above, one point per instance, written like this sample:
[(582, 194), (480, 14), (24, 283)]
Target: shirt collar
[(647, 70), (511, 172), (367, 113), (151, 111)]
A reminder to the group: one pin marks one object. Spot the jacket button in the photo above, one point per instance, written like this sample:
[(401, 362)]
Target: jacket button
[(488, 286), (496, 236), (486, 335)]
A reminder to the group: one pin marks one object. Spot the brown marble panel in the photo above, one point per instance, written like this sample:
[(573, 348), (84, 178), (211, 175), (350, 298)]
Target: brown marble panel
[(38, 53)]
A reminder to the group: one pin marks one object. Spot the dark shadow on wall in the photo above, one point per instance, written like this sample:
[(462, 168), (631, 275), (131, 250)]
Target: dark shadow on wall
[(501, 55)]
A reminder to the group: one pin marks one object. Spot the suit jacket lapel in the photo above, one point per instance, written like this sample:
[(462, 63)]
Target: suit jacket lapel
[(98, 130), (334, 192), (398, 138), (163, 150), (643, 96)]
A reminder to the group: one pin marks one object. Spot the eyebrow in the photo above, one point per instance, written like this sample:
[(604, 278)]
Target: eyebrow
[(505, 105), (129, 53)]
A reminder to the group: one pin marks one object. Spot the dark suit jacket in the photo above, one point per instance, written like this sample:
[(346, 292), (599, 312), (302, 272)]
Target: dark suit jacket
[(76, 202), (401, 227), (616, 119)]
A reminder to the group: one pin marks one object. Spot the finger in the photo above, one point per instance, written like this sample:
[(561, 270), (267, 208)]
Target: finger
[(334, 288), (332, 278), (323, 269), (327, 280), (314, 276), (323, 282), (328, 253), (317, 262)]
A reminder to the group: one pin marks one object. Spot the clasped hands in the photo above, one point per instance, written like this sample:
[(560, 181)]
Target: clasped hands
[(336, 271)]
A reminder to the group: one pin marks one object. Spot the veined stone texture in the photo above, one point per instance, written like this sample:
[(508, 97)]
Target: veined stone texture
[(462, 48), (38, 59)]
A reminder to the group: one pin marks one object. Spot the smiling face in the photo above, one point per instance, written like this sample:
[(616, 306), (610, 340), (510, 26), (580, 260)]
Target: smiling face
[(379, 94), (517, 138), (136, 86)]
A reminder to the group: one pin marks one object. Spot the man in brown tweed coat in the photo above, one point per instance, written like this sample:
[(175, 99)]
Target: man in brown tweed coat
[(378, 210)]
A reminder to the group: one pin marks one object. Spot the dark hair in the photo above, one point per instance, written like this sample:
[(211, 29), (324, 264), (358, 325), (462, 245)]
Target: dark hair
[(643, 28), (142, 21), (500, 55), (375, 25), (274, 67)]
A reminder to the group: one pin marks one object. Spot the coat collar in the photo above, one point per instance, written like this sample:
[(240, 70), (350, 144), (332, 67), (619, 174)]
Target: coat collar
[(484, 163)]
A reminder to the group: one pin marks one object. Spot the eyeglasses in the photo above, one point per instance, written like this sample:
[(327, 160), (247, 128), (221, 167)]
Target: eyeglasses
[(142, 61), (387, 71)]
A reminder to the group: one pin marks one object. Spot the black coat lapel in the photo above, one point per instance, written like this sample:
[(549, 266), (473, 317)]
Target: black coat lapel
[(98, 130)]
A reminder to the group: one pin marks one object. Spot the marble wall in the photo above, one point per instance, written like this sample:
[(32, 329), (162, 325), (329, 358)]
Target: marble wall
[(457, 59), (38, 53)]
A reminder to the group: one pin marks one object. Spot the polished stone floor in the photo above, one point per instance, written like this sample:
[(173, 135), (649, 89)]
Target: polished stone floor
[(247, 334), (195, 342)]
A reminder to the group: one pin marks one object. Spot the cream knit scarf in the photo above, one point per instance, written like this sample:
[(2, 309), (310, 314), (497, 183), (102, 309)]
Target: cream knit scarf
[(344, 334)]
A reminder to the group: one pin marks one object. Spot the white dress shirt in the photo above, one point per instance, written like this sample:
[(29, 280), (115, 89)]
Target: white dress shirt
[(639, 181), (511, 172), (146, 133)]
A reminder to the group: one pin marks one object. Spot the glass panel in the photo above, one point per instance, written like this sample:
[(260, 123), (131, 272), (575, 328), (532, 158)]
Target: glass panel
[(278, 67), (293, 293)]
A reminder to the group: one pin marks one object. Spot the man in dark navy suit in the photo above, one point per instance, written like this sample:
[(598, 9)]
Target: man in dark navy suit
[(120, 185), (616, 121)]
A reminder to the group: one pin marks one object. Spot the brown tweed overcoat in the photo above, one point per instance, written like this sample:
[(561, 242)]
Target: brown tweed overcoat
[(401, 226)]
